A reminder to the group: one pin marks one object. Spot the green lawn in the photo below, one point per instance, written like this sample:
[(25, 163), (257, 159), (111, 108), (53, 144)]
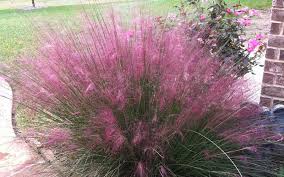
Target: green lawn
[(17, 27), (257, 4)]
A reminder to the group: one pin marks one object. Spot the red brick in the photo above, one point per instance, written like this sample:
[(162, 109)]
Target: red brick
[(280, 80), (276, 41), (275, 102), (268, 78), (274, 67), (272, 53), (276, 28), (281, 55), (278, 3), (278, 15), (273, 91), (265, 101)]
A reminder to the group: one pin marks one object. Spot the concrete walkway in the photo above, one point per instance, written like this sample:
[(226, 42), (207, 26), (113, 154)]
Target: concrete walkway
[(255, 81), (16, 159)]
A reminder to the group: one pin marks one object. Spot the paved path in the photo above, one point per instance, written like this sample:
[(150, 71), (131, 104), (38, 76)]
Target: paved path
[(261, 25), (15, 158), (255, 81)]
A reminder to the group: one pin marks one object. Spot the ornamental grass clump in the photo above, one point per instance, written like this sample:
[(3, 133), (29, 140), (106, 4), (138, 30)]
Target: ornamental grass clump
[(140, 101)]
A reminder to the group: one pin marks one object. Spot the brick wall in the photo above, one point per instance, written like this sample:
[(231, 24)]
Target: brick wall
[(273, 78)]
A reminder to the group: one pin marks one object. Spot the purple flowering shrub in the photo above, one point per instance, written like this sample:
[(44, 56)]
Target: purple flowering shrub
[(140, 101), (225, 32)]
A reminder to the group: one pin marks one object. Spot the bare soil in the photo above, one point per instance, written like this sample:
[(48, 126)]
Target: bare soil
[(260, 24)]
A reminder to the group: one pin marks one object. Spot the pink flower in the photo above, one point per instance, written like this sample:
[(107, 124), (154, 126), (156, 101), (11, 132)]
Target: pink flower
[(253, 44), (229, 11), (242, 11), (244, 21), (238, 13), (260, 36), (253, 12), (202, 17), (245, 10)]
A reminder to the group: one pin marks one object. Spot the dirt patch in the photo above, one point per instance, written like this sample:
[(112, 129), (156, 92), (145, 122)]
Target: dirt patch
[(260, 24)]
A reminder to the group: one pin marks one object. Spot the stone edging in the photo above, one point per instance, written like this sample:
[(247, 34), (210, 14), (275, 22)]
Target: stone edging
[(34, 145)]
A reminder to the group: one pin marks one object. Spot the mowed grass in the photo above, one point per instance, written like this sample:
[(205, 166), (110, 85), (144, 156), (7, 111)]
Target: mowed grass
[(256, 4), (18, 27)]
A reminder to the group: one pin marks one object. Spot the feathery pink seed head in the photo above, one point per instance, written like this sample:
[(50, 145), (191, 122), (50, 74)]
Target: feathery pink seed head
[(252, 149), (107, 118), (141, 170), (112, 133), (58, 136), (103, 81), (89, 89), (163, 171)]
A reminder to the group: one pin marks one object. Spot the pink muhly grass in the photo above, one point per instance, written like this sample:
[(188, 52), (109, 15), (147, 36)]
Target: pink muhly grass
[(164, 172), (112, 133), (141, 170), (139, 96), (58, 136)]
